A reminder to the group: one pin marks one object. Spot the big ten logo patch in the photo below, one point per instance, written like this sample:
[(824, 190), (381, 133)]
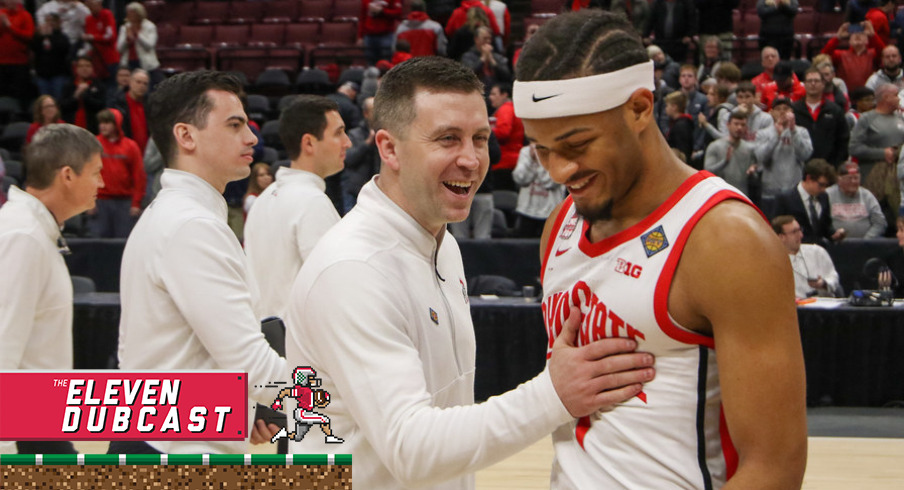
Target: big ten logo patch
[(628, 269)]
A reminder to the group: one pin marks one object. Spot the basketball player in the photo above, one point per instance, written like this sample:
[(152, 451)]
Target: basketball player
[(677, 260), (380, 308)]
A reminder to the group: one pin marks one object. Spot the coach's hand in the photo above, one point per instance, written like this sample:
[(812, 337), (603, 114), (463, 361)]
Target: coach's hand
[(601, 374)]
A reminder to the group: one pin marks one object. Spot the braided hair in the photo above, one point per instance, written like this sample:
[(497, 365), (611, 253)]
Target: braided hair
[(578, 44)]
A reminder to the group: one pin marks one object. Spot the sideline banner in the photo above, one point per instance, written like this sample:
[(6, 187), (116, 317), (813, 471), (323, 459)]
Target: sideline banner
[(113, 405)]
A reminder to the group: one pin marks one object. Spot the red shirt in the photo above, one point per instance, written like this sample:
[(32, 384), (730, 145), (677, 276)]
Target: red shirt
[(382, 23), (854, 68), (760, 81), (460, 16), (15, 38), (771, 91), (123, 171), (103, 28), (879, 20), (510, 132), (138, 122)]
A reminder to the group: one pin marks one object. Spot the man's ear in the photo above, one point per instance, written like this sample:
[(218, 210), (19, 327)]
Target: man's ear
[(388, 146), (306, 145), (640, 109), (185, 137)]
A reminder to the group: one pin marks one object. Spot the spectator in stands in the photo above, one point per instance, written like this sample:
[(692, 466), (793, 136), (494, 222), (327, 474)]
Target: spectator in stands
[(876, 140), (777, 25), (718, 114), (402, 52), (462, 17), (529, 31), (757, 119), (133, 108), (671, 69), (854, 208), (823, 63), (489, 66), (362, 160), (45, 111), (712, 58), (716, 21), (259, 180), (376, 28), (137, 43), (697, 103), (879, 16), (51, 57), (120, 86), (425, 36), (503, 18), (290, 218), (100, 36), (732, 157), (890, 72), (863, 100), (84, 97), (673, 23), (814, 272), (809, 204), (36, 291), (538, 195), (680, 134), (510, 132), (861, 59), (463, 38), (16, 30), (72, 15), (769, 58), (824, 120), (781, 150), (784, 84), (345, 97), (119, 201), (729, 75), (832, 91), (637, 11)]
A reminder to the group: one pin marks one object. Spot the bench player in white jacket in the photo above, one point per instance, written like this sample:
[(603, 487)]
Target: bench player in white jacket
[(380, 309), (676, 259), (188, 299)]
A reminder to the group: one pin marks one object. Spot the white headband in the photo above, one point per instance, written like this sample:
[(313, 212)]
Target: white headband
[(576, 96)]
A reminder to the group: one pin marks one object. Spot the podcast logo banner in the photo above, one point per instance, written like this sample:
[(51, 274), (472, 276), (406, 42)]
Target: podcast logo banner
[(123, 405)]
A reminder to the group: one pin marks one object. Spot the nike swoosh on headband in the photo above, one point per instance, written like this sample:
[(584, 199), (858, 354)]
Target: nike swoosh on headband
[(538, 99)]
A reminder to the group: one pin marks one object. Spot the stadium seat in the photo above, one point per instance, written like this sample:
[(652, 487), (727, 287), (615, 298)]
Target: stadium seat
[(272, 83), (196, 36), (210, 12), (231, 35), (280, 11), (346, 8), (13, 136), (250, 61), (312, 81), (181, 59), (303, 34), (545, 6), (315, 11), (339, 33), (167, 35), (267, 34), (245, 12)]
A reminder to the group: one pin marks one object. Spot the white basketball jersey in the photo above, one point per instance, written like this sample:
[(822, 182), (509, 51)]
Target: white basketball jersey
[(673, 434)]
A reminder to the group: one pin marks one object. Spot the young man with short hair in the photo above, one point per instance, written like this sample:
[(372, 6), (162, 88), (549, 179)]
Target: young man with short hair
[(119, 203), (294, 212), (732, 157), (677, 259), (188, 298)]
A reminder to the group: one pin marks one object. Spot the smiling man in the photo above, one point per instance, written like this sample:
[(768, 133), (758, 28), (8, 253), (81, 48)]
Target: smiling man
[(380, 309), (188, 299), (676, 259)]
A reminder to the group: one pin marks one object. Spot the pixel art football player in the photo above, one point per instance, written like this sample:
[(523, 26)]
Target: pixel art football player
[(305, 380)]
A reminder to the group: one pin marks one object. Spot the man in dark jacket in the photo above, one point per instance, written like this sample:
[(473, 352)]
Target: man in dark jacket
[(673, 23), (51, 57), (824, 121), (84, 97), (715, 20)]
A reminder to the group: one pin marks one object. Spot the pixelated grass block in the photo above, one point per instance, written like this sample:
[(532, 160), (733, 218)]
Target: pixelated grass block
[(176, 459)]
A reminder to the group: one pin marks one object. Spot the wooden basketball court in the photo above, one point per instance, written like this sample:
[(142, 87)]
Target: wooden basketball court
[(834, 463)]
